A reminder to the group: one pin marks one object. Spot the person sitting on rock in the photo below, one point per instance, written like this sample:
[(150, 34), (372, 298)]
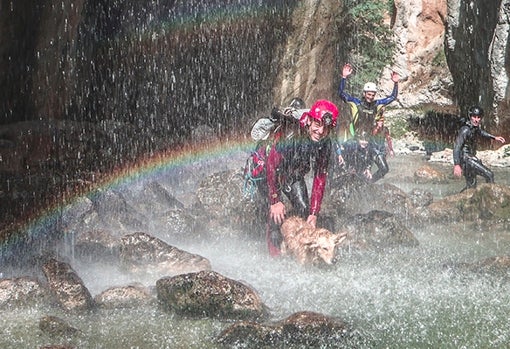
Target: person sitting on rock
[(464, 151)]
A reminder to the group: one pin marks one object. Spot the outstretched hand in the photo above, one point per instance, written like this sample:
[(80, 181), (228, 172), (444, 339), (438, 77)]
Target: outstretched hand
[(500, 139), (347, 70), (395, 77)]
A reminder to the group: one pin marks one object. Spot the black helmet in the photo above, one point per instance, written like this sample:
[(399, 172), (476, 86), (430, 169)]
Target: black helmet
[(475, 110), (297, 103)]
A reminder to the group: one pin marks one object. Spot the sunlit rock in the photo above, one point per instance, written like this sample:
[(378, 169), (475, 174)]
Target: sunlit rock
[(177, 224), (54, 326), (222, 202), (350, 195), (124, 297), (420, 197), (485, 202), (143, 254), (428, 174), (152, 201), (67, 286), (22, 291), (209, 294), (97, 245), (303, 329), (115, 212), (376, 230), (498, 157)]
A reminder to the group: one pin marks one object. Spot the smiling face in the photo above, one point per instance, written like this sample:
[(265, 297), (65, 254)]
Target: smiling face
[(475, 120), (317, 130), (369, 96)]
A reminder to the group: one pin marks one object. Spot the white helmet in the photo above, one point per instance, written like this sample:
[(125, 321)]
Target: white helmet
[(369, 87)]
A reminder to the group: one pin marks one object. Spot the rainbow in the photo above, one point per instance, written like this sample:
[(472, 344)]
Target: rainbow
[(35, 229)]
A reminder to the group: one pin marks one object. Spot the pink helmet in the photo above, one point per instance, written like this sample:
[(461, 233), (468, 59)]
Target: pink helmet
[(322, 110)]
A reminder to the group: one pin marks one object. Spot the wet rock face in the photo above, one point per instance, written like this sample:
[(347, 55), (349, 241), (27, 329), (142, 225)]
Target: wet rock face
[(303, 329), (124, 297), (486, 202), (141, 253), (220, 203), (209, 294), (377, 230), (349, 195), (22, 291), (54, 326), (67, 286)]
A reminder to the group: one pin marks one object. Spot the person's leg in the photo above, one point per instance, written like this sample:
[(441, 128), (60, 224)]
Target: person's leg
[(382, 166), (469, 174), (298, 196), (273, 237)]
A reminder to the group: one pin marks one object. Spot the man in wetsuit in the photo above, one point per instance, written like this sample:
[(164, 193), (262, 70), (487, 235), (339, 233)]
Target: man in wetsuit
[(289, 160), (382, 144), (464, 151), (364, 110), (357, 156)]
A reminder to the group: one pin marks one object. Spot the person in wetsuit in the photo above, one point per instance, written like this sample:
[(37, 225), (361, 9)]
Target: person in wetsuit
[(289, 160), (382, 143), (464, 151), (357, 156), (364, 109)]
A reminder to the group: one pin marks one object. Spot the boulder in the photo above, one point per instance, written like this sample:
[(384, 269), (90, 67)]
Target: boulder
[(54, 326), (22, 291), (97, 245), (498, 266), (429, 174), (209, 294), (377, 230), (124, 297), (488, 201), (67, 286), (143, 254), (304, 329), (221, 202)]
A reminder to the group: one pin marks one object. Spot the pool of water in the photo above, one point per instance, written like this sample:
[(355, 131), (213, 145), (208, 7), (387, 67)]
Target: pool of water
[(398, 298)]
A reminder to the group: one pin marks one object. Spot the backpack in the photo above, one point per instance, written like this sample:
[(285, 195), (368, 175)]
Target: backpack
[(255, 169), (262, 132)]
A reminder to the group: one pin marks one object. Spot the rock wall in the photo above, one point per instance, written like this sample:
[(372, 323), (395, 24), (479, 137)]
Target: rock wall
[(476, 47)]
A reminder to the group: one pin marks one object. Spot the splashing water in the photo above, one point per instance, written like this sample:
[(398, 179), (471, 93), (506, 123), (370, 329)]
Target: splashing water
[(397, 298)]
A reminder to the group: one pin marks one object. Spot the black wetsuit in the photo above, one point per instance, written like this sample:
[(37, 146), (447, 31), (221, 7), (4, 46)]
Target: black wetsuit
[(464, 154)]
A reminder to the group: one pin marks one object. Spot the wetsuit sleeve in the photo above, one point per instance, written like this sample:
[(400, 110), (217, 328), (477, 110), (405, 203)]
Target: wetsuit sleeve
[(390, 98), (344, 95), (486, 134), (319, 179), (273, 161), (459, 143)]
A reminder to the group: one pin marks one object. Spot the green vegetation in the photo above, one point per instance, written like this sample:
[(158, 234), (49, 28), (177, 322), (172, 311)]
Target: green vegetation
[(399, 127), (372, 45), (440, 59)]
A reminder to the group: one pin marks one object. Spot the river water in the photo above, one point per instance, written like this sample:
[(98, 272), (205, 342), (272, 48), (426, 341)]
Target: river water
[(399, 298)]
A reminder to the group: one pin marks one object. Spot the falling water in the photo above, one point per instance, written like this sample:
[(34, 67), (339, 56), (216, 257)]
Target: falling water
[(396, 298), (127, 74)]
